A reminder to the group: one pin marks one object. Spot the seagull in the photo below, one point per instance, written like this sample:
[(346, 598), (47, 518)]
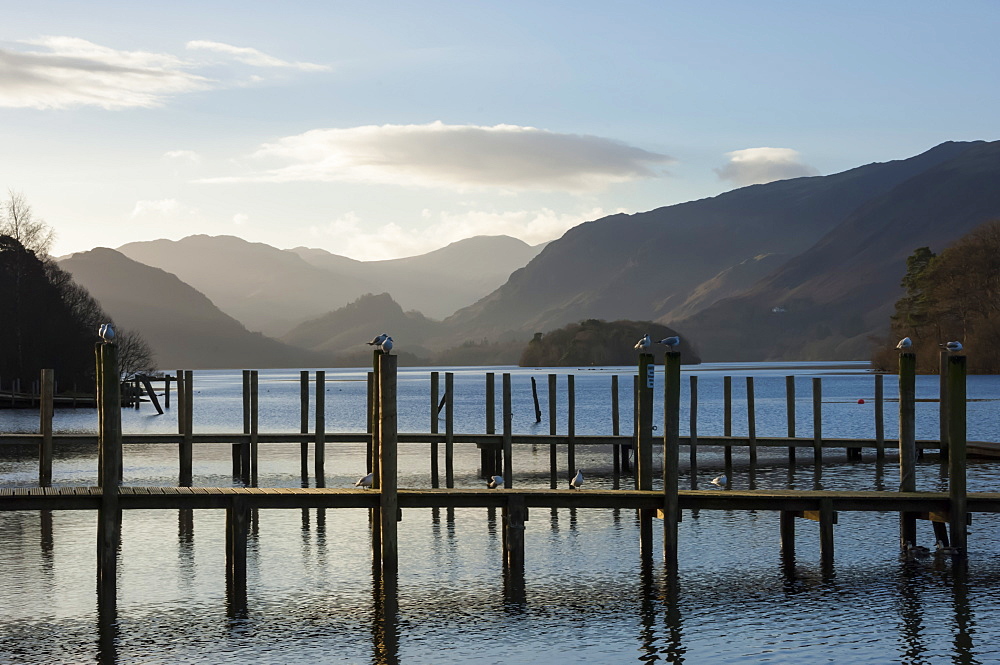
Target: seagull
[(365, 481), (376, 341), (952, 346), (670, 342), (106, 332), (578, 478), (720, 481), (644, 342), (916, 550), (904, 344), (941, 548), (385, 346), (495, 482)]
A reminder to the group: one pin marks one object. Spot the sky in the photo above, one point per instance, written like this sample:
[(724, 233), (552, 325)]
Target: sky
[(388, 129)]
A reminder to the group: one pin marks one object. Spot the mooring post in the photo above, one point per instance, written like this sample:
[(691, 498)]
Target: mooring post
[(644, 450), (827, 518), (570, 426), (944, 402), (534, 396), (514, 516), (958, 511), (693, 428), (508, 461), (254, 425), (487, 455), (615, 431), (449, 429), (435, 389), (241, 467), (180, 402), (187, 442), (237, 528), (110, 444), (45, 408), (879, 419), (787, 534), (790, 414), (633, 445), (751, 421), (727, 422), (817, 390), (671, 455), (319, 448), (166, 392), (907, 443), (388, 433), (304, 426), (496, 454), (376, 445), (553, 450)]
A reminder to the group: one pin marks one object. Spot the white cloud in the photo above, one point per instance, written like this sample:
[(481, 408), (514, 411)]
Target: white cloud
[(252, 56), (186, 155), (170, 208), (754, 166), (239, 219), (366, 241), (455, 156)]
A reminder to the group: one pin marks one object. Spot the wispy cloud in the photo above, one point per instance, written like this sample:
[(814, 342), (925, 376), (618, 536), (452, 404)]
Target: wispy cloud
[(183, 155), (170, 208), (454, 156), (363, 240), (754, 166), (64, 72), (252, 56)]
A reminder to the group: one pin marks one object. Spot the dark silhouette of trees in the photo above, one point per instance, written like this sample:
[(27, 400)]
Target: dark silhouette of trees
[(596, 342)]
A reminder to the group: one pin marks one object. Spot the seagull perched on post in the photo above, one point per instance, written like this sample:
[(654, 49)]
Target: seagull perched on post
[(106, 332), (365, 481), (495, 482), (386, 345), (376, 341), (643, 343), (952, 347), (670, 342), (578, 478), (904, 344)]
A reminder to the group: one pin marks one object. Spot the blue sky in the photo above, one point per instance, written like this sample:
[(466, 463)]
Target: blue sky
[(377, 130)]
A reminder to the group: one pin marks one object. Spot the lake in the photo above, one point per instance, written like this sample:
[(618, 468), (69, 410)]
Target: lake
[(586, 596)]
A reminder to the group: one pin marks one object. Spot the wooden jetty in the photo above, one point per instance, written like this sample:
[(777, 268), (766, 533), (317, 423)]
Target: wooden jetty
[(948, 512)]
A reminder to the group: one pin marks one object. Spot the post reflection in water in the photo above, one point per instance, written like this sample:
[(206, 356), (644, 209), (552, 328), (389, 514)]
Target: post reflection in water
[(385, 628)]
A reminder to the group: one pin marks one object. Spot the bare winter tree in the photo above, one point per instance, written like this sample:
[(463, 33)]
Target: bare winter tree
[(134, 354), (18, 222)]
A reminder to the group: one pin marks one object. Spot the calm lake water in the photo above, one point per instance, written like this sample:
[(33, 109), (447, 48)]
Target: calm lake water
[(586, 597)]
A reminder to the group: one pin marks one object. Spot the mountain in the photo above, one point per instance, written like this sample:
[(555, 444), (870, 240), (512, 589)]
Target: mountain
[(183, 326), (833, 297), (670, 263)]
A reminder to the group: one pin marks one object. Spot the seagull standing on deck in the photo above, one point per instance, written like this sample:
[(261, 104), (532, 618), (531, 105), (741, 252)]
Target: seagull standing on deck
[(578, 478), (106, 332), (365, 481), (904, 344), (670, 342), (643, 343), (495, 482)]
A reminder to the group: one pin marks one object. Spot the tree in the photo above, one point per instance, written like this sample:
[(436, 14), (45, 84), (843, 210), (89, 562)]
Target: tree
[(18, 222)]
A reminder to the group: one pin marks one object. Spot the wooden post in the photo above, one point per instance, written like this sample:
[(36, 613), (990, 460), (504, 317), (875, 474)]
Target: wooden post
[(237, 528), (727, 423), (615, 431), (304, 426), (534, 396), (180, 402), (449, 429), (435, 472), (671, 455), (943, 403), (110, 444), (388, 433), (787, 531), (187, 443), (242, 467), (508, 462), (553, 451), (375, 446), (166, 392), (570, 426), (45, 407), (790, 413), (319, 448), (827, 518), (634, 446), (751, 421), (907, 443), (879, 419), (254, 419), (693, 428), (644, 450), (958, 512), (817, 386)]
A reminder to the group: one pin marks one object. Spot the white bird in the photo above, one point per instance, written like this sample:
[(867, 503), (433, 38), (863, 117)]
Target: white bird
[(495, 482), (578, 478), (365, 481), (720, 481), (670, 342), (376, 341), (106, 332), (386, 345), (904, 344), (644, 342), (952, 346)]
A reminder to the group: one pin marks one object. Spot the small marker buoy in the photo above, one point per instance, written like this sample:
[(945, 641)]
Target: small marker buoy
[(861, 401)]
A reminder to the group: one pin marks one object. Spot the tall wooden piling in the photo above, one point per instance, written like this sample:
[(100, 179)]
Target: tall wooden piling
[(241, 466), (879, 419), (943, 403), (817, 395), (373, 407), (790, 414), (388, 434), (615, 431), (693, 429), (508, 432), (449, 429), (751, 421), (110, 446), (727, 421), (570, 426), (644, 449), (237, 529), (827, 519), (319, 447), (787, 533), (534, 396), (254, 425), (553, 450), (304, 426), (496, 463), (187, 443), (515, 514), (958, 511), (435, 427), (180, 402), (45, 405), (671, 455), (907, 443)]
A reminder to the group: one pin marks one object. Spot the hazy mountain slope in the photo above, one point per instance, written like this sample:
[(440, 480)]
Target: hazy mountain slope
[(645, 265), (183, 326), (440, 282), (842, 289)]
